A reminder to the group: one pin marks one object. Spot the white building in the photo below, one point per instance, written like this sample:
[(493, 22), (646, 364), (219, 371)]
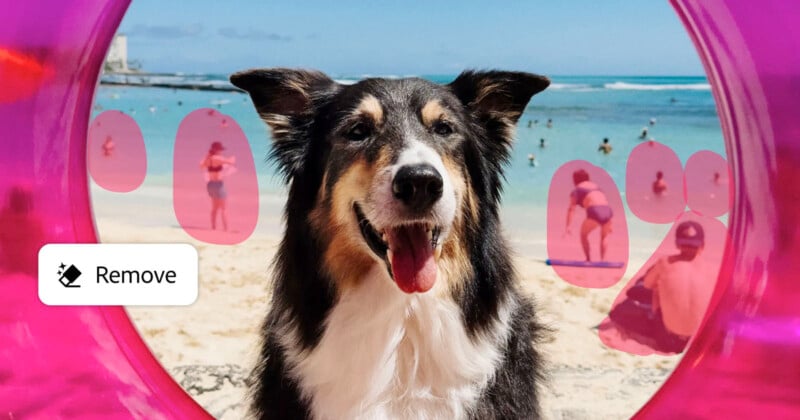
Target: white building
[(117, 58)]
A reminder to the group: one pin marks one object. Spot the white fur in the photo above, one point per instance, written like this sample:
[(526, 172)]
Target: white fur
[(383, 210), (386, 354)]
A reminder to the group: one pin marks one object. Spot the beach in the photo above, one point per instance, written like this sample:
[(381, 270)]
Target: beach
[(210, 346)]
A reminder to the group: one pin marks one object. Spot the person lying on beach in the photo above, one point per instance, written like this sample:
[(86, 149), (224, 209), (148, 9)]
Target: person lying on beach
[(598, 213)]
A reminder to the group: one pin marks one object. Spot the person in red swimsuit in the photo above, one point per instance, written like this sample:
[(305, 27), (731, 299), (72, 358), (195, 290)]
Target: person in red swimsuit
[(214, 163)]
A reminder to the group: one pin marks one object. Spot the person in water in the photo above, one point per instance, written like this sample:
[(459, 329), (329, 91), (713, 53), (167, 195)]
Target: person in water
[(598, 213), (659, 185), (213, 164), (108, 147), (605, 147)]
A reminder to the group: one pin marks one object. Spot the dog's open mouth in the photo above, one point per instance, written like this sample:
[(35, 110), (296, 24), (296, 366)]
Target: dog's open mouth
[(408, 249)]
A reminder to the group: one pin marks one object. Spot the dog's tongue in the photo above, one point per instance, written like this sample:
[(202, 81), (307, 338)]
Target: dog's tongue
[(413, 265)]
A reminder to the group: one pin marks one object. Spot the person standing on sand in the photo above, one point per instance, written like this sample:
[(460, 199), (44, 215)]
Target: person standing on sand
[(214, 163), (605, 147), (598, 213)]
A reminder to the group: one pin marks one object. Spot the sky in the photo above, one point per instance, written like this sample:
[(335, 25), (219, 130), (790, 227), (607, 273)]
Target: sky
[(568, 37)]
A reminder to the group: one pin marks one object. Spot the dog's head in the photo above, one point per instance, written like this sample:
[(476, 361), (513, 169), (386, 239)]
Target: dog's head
[(395, 172)]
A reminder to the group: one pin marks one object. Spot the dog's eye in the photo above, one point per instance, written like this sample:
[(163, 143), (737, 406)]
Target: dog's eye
[(358, 132), (442, 128)]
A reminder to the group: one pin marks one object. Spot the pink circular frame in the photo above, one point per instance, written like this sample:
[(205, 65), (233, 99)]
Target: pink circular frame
[(743, 361)]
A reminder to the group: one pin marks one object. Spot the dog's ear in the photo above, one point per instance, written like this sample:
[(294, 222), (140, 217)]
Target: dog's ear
[(282, 94), (498, 96), (284, 98)]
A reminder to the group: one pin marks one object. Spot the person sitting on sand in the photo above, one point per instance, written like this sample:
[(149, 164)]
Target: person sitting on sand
[(598, 213), (214, 163), (108, 147), (659, 185), (682, 286), (605, 147)]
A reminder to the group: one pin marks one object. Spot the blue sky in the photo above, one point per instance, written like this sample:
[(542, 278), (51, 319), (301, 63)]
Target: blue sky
[(570, 37)]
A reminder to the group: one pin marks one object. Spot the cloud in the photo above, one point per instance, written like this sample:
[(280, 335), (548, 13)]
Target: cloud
[(253, 34), (166, 31)]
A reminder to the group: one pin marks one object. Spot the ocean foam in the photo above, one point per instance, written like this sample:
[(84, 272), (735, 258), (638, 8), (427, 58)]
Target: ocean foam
[(637, 86)]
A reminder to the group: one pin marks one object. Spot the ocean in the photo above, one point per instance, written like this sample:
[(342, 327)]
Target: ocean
[(583, 110)]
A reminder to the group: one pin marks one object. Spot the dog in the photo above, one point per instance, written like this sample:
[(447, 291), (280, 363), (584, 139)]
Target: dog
[(394, 295)]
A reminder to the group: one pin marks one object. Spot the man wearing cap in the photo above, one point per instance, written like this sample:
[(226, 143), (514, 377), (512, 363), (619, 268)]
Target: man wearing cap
[(682, 286)]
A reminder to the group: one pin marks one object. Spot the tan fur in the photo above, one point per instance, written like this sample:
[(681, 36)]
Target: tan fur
[(347, 259), (432, 111), (371, 107), (453, 262)]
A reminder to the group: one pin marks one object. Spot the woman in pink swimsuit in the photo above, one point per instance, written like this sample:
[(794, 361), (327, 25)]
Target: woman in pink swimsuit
[(598, 213)]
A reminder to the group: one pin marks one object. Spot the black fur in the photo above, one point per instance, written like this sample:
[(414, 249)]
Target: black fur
[(310, 110)]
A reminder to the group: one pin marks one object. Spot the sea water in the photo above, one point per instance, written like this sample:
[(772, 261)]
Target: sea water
[(584, 110)]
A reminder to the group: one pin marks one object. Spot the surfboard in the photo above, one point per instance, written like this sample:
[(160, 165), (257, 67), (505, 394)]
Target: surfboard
[(587, 264)]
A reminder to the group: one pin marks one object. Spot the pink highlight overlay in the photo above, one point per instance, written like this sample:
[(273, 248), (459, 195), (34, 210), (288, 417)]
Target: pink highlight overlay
[(567, 247), (224, 189), (63, 362), (652, 199), (708, 187), (90, 363), (116, 152)]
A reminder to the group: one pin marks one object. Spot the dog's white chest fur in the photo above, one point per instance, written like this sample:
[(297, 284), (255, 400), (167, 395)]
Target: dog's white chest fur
[(386, 354)]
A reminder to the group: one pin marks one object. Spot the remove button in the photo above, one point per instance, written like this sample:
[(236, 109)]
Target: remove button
[(118, 274)]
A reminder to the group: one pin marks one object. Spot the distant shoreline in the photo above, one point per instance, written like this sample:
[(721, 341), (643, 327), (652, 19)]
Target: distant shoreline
[(145, 80)]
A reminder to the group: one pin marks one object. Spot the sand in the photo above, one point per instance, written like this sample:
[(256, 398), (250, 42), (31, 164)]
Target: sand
[(210, 346)]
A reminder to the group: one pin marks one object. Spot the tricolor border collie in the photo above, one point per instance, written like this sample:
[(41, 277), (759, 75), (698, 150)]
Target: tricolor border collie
[(394, 294)]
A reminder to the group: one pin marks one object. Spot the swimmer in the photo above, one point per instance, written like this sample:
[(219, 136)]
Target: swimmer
[(542, 144), (530, 123), (644, 133), (605, 147), (532, 159), (659, 185), (652, 121), (108, 147), (549, 123)]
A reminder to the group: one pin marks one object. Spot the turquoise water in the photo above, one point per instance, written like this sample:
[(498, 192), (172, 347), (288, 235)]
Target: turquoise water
[(584, 110)]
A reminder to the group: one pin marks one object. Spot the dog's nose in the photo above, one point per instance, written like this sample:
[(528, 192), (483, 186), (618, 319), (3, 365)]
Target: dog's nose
[(417, 186)]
